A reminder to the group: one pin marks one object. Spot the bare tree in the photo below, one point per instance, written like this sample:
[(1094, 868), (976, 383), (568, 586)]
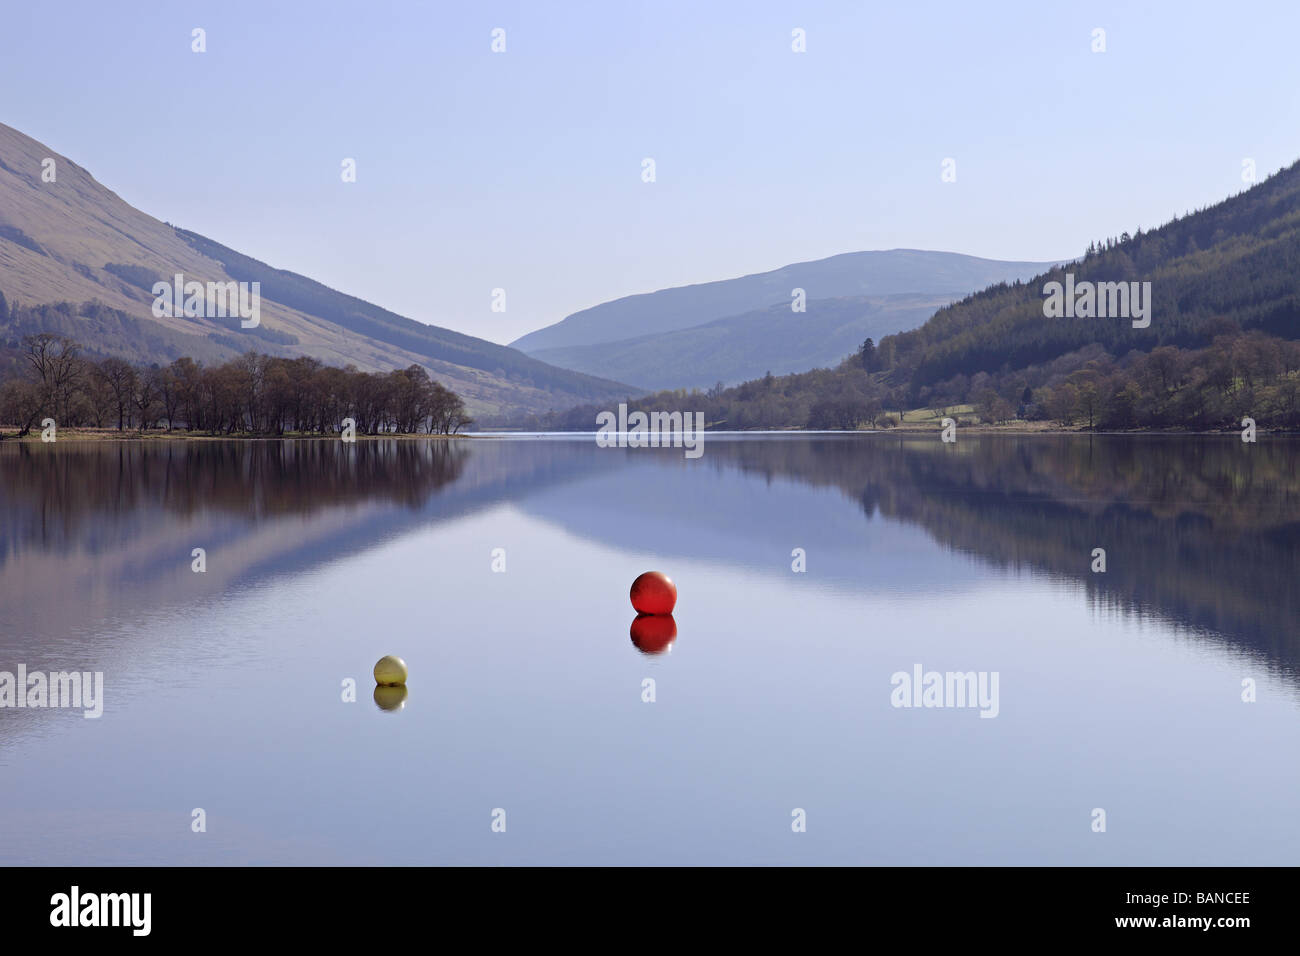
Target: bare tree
[(57, 366), (120, 377)]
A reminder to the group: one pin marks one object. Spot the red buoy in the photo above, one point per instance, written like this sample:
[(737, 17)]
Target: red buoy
[(654, 593)]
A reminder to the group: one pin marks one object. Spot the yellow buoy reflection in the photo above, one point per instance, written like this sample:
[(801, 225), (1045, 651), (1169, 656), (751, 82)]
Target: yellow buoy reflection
[(390, 697)]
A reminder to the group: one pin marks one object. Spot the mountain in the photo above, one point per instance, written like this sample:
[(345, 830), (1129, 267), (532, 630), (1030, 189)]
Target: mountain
[(736, 329), (745, 346), (1232, 267), (1217, 341), (74, 241), (874, 274)]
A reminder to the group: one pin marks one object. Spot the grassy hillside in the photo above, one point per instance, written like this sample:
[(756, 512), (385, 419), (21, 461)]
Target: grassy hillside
[(428, 341), (75, 246)]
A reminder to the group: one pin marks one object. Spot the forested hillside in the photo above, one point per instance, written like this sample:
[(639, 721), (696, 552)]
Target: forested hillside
[(1233, 266)]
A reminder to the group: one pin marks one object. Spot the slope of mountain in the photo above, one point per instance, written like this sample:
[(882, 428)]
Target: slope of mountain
[(72, 240), (882, 273), (747, 346), (1234, 265)]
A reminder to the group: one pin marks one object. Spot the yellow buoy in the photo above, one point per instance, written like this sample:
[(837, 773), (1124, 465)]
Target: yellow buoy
[(390, 671)]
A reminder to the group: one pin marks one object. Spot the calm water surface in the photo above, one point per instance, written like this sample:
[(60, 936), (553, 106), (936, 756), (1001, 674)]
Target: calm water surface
[(1121, 691)]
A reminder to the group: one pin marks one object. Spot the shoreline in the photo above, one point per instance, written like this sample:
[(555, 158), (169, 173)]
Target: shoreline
[(83, 435), (910, 429), (920, 429)]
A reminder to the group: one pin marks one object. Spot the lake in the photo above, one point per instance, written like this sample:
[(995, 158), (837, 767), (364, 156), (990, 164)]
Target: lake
[(820, 576)]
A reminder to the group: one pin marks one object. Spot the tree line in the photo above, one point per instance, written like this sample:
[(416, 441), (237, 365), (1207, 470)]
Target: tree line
[(49, 376), (1240, 374)]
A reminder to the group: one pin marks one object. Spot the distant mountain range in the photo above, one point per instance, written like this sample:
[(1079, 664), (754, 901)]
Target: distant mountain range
[(741, 347), (735, 329), (72, 240)]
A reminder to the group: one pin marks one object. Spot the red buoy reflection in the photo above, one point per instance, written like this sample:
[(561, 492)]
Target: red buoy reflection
[(653, 633)]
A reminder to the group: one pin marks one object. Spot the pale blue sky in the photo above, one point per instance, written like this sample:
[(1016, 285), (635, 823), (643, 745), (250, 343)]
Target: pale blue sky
[(522, 170)]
